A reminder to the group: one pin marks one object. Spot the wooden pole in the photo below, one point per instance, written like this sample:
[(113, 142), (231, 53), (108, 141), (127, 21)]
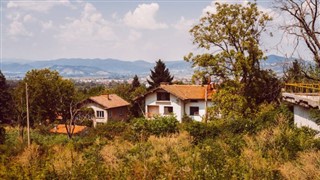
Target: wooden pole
[(28, 122)]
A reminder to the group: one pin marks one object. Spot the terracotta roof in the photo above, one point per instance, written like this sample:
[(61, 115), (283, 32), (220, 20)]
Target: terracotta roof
[(61, 129), (188, 91), (109, 101)]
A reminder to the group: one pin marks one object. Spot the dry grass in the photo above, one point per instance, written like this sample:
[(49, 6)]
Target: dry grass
[(159, 157), (28, 156), (64, 157), (307, 166)]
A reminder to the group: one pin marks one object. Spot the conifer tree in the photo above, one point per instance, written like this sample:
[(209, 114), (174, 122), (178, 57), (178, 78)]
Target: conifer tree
[(159, 74), (135, 83), (5, 99)]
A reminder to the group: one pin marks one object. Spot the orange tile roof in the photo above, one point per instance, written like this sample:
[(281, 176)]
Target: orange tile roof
[(109, 101), (188, 91), (61, 129)]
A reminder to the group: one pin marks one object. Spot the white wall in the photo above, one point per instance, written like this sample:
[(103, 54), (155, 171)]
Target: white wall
[(175, 102), (178, 106), (302, 118), (202, 109), (96, 108)]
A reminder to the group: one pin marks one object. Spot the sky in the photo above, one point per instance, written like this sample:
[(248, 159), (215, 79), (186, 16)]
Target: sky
[(126, 30)]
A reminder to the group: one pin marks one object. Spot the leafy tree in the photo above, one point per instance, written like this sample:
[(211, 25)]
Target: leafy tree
[(5, 100), (231, 38), (49, 95), (159, 74)]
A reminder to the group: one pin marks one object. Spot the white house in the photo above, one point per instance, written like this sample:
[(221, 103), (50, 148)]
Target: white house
[(180, 100), (108, 107)]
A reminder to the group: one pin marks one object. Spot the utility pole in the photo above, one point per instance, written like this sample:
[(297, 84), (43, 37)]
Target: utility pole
[(28, 123)]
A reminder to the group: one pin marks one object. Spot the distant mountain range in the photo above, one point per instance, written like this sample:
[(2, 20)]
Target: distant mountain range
[(112, 68)]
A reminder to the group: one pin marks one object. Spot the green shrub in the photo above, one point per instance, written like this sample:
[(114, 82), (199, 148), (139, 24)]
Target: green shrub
[(86, 122), (108, 130), (186, 119), (163, 125), (160, 126), (201, 131)]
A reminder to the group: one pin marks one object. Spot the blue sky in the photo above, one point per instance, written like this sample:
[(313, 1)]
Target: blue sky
[(128, 30)]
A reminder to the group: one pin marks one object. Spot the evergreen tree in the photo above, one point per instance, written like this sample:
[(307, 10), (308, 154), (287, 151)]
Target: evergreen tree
[(5, 100), (159, 74), (135, 83)]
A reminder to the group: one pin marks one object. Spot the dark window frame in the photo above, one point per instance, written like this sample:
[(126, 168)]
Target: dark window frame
[(163, 96), (168, 111), (194, 110), (100, 114)]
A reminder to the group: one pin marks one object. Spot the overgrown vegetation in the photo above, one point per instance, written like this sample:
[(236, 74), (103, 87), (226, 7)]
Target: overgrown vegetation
[(267, 147)]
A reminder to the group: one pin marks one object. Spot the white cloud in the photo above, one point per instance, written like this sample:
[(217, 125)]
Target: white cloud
[(46, 25), (17, 28), (184, 24), (28, 18), (37, 5), (90, 27), (143, 17), (134, 35), (17, 25)]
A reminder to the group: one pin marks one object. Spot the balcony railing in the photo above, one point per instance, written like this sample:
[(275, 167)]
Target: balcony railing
[(302, 88)]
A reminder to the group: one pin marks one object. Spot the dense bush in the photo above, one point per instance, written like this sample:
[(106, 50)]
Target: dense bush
[(159, 126), (162, 126), (108, 130)]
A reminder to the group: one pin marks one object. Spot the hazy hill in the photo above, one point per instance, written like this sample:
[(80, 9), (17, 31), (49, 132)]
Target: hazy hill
[(111, 68)]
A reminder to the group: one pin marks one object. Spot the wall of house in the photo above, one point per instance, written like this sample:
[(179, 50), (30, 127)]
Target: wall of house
[(96, 108), (175, 102), (118, 114), (202, 109), (302, 118), (179, 107)]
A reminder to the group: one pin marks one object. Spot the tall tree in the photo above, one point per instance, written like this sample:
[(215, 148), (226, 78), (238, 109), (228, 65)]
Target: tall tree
[(231, 38), (5, 100), (49, 95), (135, 83), (159, 74), (137, 89), (304, 23)]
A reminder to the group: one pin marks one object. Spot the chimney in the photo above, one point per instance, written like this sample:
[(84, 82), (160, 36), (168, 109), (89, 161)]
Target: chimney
[(108, 97)]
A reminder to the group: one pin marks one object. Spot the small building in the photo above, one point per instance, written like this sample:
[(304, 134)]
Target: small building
[(303, 103), (108, 107), (179, 100)]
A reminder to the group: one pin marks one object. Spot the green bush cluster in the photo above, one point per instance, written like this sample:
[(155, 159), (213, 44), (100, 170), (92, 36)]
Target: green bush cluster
[(159, 126)]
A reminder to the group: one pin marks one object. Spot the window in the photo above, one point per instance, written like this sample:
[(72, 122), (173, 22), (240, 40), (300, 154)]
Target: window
[(100, 114), (194, 111), (194, 100), (168, 109), (163, 96)]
